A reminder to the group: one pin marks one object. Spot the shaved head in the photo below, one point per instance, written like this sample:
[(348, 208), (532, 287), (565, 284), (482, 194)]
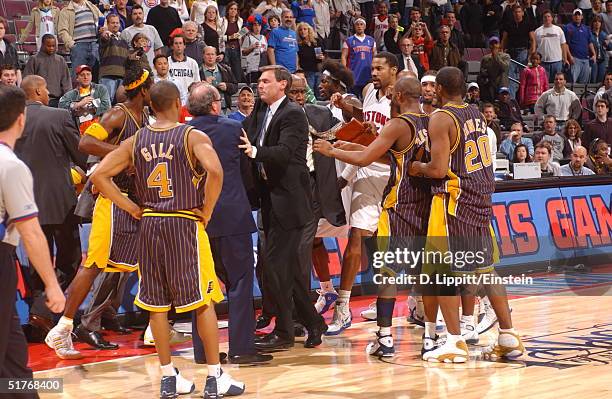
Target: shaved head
[(31, 83), (408, 87), (163, 95), (406, 74)]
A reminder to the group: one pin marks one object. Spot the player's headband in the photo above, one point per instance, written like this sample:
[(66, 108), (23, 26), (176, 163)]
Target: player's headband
[(328, 74), (141, 80), (428, 79)]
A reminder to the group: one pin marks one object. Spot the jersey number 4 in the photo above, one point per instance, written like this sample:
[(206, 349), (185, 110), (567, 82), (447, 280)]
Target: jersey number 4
[(475, 151), (159, 179)]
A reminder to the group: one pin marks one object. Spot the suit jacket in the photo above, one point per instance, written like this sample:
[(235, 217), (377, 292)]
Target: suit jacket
[(286, 192), (415, 59), (232, 213), (49, 144), (321, 119)]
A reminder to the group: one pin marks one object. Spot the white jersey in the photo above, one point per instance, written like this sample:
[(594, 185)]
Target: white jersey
[(183, 74), (380, 27)]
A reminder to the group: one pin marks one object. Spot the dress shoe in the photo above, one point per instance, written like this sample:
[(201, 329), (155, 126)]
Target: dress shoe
[(250, 358), (299, 330), (114, 325), (41, 323), (314, 335), (262, 322), (222, 359), (273, 341), (93, 338)]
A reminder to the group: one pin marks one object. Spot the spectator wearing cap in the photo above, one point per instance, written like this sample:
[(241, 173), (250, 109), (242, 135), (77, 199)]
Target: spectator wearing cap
[(218, 75), (532, 84), (283, 45), (114, 52), (552, 136), (514, 139), (254, 48), (164, 19), (507, 109), (444, 53), (473, 95), (88, 101), (246, 101), (559, 102), (518, 40), (581, 50), (493, 71), (357, 54), (576, 166), (601, 126), (551, 44)]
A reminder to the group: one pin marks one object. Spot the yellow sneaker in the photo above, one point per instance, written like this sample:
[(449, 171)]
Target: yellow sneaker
[(511, 349), (452, 351)]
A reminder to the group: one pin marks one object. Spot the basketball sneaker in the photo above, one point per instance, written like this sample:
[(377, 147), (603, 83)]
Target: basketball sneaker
[(469, 333), (342, 319), (167, 387), (454, 350), (489, 318), (224, 385), (59, 339), (382, 346), (175, 337), (370, 312), (326, 301), (430, 343), (508, 345), (183, 385), (413, 314)]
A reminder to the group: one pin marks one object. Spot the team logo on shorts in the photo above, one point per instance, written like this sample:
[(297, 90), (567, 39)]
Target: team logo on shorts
[(210, 287)]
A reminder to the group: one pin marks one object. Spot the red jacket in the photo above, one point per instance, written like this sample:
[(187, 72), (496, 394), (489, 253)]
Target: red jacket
[(533, 82)]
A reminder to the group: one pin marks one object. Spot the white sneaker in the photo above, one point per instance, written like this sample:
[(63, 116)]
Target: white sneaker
[(59, 339), (341, 320), (326, 301), (382, 346), (512, 348), (183, 385), (489, 318), (175, 337), (225, 385), (469, 333), (452, 351), (370, 312), (430, 343)]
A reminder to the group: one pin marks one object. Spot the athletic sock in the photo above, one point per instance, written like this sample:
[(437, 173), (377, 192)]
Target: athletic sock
[(430, 329), (384, 331), (327, 286), (214, 370), (344, 296), (66, 322), (168, 370), (450, 338)]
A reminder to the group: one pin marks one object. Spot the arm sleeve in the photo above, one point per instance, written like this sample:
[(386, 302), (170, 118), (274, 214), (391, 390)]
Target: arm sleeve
[(16, 185)]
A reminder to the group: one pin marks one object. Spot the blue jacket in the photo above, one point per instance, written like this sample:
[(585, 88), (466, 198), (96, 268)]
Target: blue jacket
[(232, 214)]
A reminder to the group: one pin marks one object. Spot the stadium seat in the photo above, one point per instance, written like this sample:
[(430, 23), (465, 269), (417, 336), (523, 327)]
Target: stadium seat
[(32, 5), (20, 25), (473, 68), (473, 54), (16, 8)]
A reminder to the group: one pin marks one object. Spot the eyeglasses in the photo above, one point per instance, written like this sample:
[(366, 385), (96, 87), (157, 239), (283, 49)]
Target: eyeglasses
[(217, 99), (297, 91)]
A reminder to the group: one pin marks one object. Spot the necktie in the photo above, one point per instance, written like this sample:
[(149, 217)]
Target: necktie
[(264, 127)]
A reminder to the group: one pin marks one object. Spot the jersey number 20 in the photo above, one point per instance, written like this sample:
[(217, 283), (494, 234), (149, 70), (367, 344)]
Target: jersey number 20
[(158, 178), (475, 151)]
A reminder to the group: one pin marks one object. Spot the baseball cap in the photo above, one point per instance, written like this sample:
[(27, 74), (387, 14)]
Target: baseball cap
[(503, 89), (246, 88), (82, 68), (577, 11), (472, 85), (493, 39)]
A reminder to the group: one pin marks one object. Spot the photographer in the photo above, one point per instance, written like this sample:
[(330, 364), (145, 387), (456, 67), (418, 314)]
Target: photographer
[(88, 101)]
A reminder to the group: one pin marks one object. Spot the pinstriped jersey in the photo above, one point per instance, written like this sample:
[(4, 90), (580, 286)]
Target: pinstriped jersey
[(470, 181), (130, 126), (402, 188), (166, 177)]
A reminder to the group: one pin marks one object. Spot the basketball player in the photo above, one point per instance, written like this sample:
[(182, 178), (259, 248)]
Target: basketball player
[(406, 199), (178, 181), (460, 218), (428, 92), (109, 223), (369, 181)]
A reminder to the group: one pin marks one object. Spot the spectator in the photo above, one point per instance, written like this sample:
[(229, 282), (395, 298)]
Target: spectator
[(246, 101), (8, 75), (598, 8), (367, 9), (392, 35), (154, 42), (303, 11), (508, 12), (551, 135), (581, 49), (493, 71), (88, 101), (521, 154), (218, 75), (230, 35), (77, 27), (599, 39), (342, 13), (518, 41), (444, 53), (183, 70), (599, 159), (282, 44), (181, 7), (559, 102), (357, 54), (601, 126), (607, 17), (8, 53), (380, 24), (254, 48), (607, 85), (507, 109), (44, 18), (423, 44), (471, 17), (491, 19), (533, 83), (576, 166), (51, 67), (211, 28), (194, 46), (488, 110), (456, 36), (114, 52), (551, 44), (473, 95), (309, 95), (164, 19), (147, 6), (406, 60), (415, 17), (572, 134), (531, 13), (161, 68), (268, 8), (542, 155), (587, 10), (124, 12), (514, 139), (322, 20), (198, 10), (310, 54)]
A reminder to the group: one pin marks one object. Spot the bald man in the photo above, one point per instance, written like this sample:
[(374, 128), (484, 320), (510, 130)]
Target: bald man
[(576, 166), (49, 147)]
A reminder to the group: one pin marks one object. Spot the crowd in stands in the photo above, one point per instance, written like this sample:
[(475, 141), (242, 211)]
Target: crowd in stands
[(531, 57)]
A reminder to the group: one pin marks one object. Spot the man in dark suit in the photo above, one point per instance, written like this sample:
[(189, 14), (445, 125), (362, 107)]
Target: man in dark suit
[(229, 229), (407, 61), (277, 139), (49, 145)]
